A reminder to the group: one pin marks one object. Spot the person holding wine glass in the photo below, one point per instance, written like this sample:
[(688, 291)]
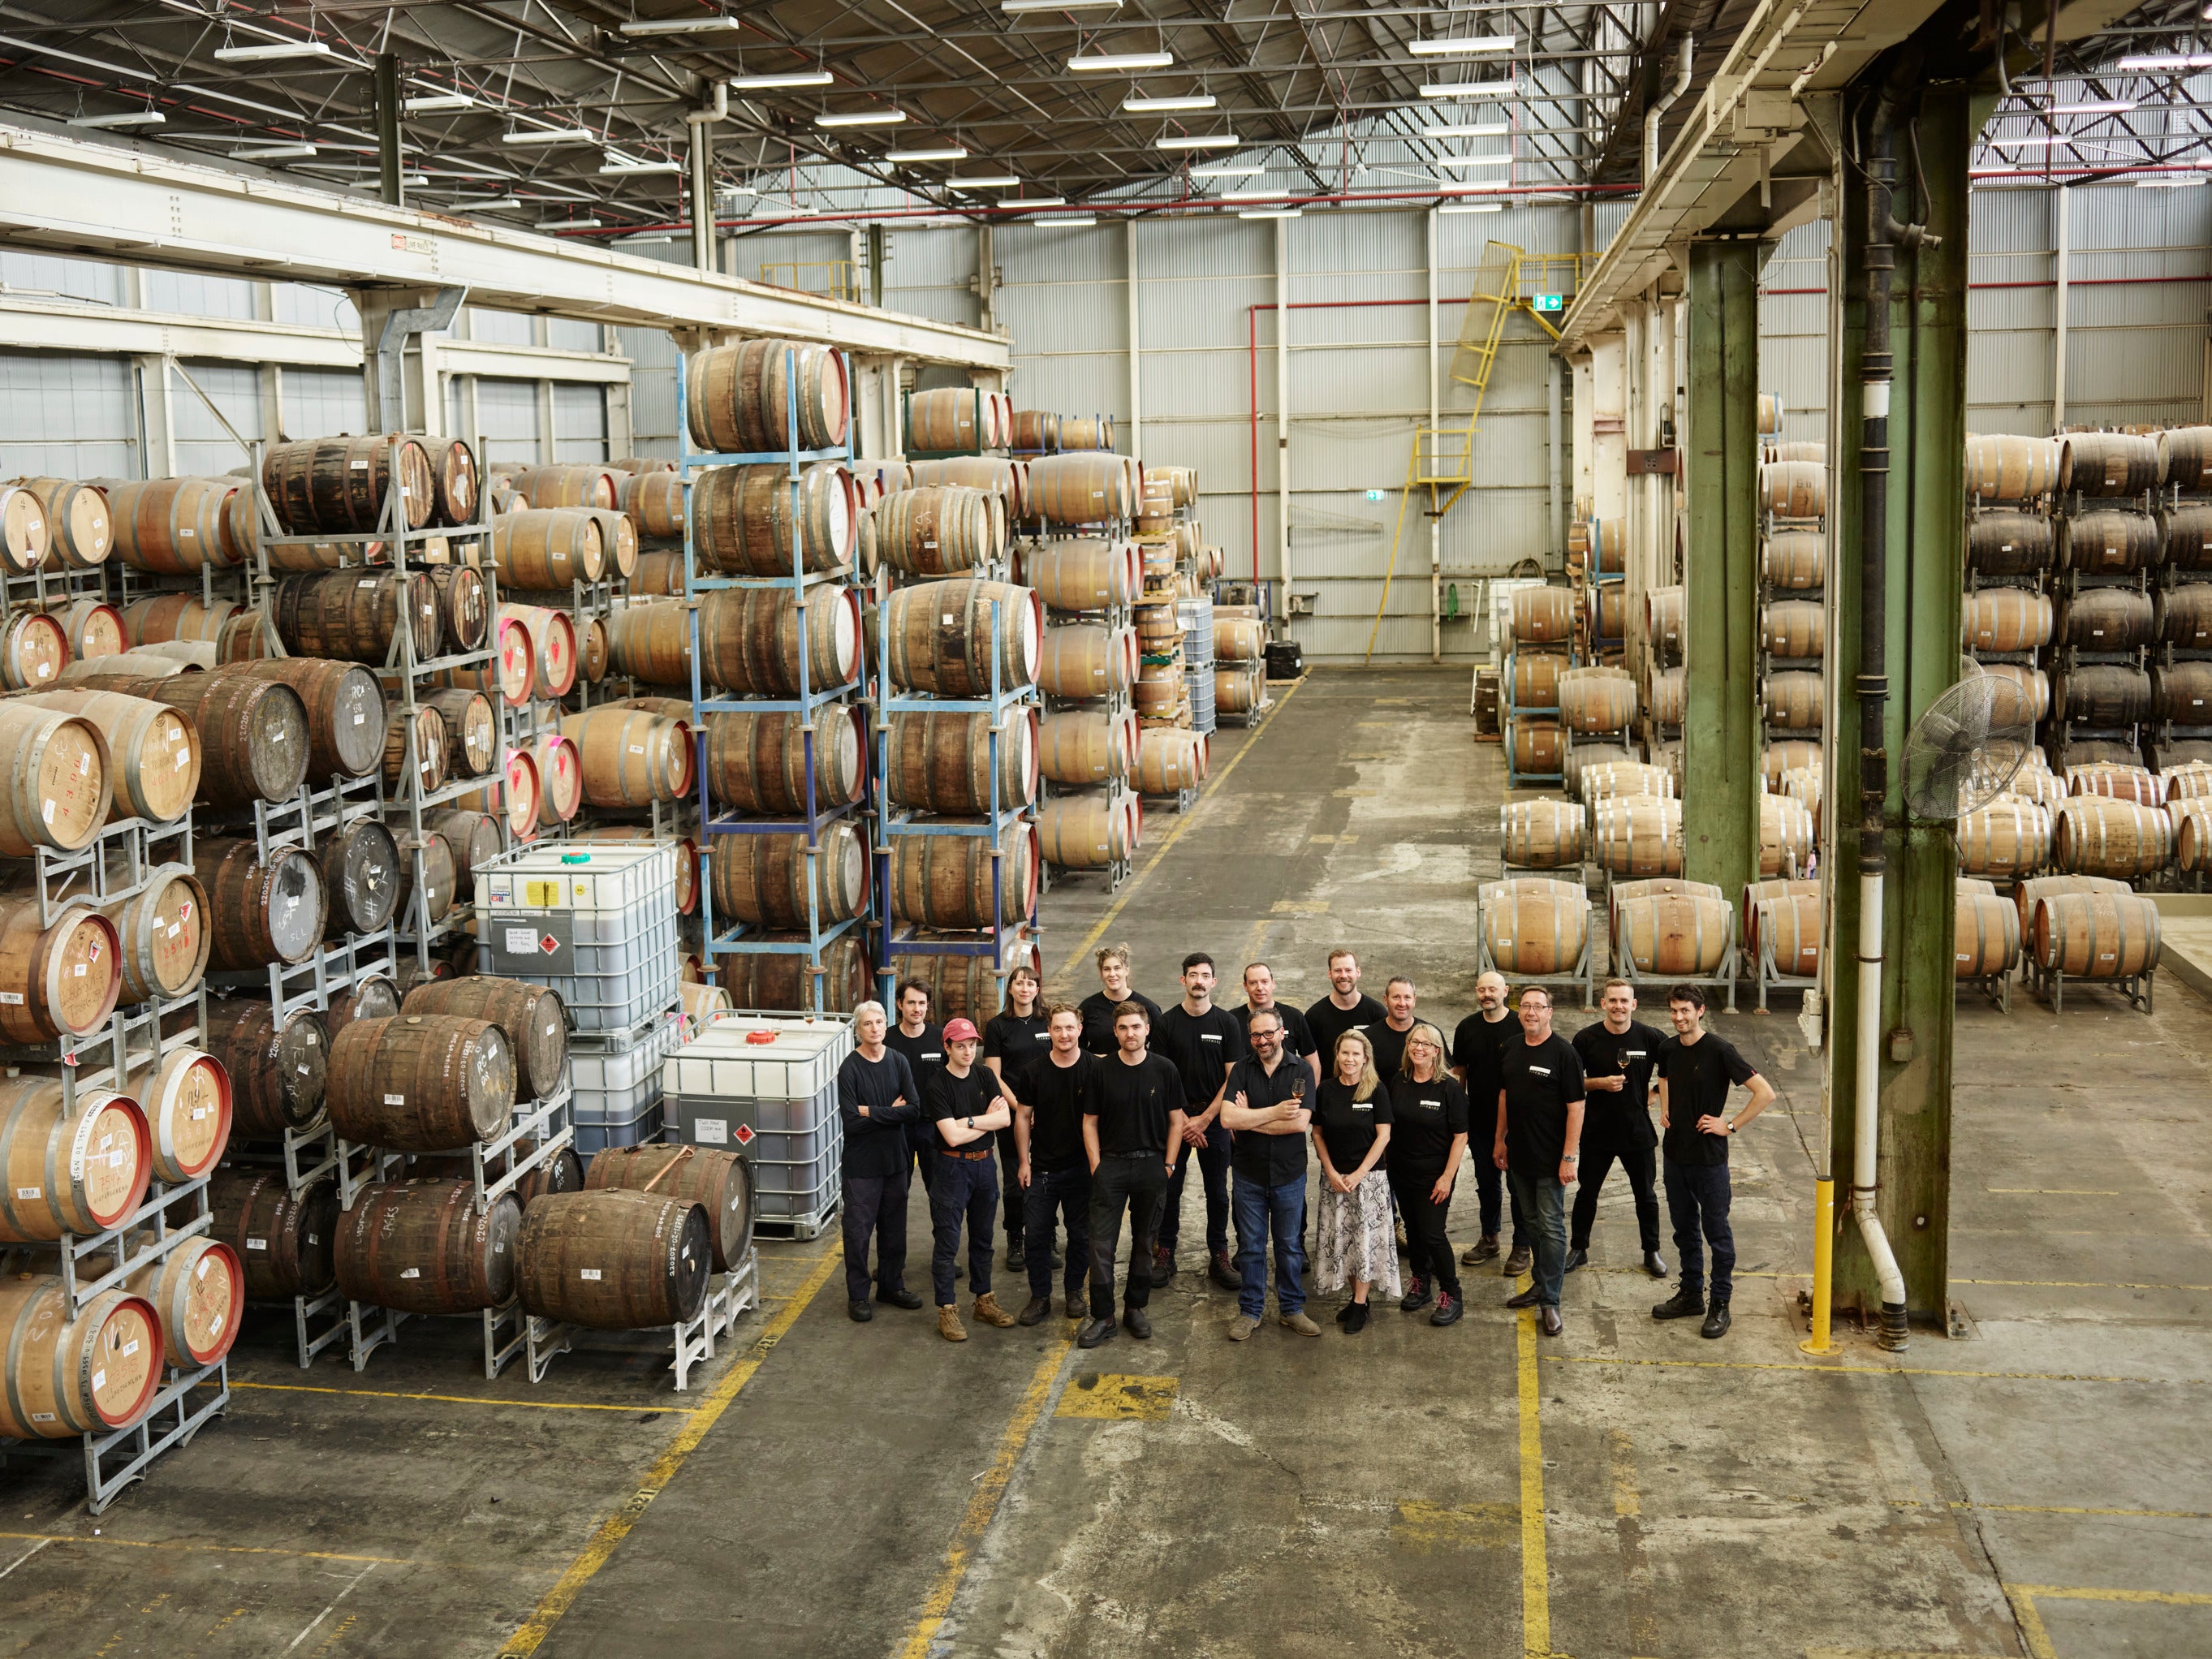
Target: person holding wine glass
[(1265, 1109), (1620, 1057), (1351, 1117)]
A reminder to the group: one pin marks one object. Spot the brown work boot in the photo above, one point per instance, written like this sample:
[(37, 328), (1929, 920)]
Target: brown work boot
[(949, 1325), (986, 1311)]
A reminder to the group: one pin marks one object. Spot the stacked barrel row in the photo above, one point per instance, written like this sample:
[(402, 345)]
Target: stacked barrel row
[(1540, 649), (1090, 745)]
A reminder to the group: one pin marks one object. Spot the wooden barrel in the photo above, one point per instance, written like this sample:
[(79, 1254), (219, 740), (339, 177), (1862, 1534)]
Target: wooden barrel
[(277, 1071), (2107, 619), (2097, 935), (1985, 936), (1593, 703), (285, 1243), (473, 837), (953, 417), (1787, 836), (576, 488), (1079, 489), (2185, 458), (1639, 836), (1795, 628), (629, 758), (532, 1017), (942, 763), (428, 1247), (58, 976), (721, 1183), (1086, 432), (170, 526), (415, 751), (616, 1260), (2109, 543), (2027, 893), (198, 1292), (362, 875), (1608, 611), (750, 639), (153, 755), (420, 1083), (1160, 691), (1663, 617), (785, 981), (1538, 927), (941, 637), (264, 913), (464, 608), (472, 731), (439, 881), (2097, 837), (744, 521), (1616, 779), (1083, 746), (757, 762), (1771, 412), (185, 1097), (1168, 760), (1675, 935), (1239, 639), (338, 485), (2192, 836), (948, 881), (654, 500), (2103, 694), (352, 617), (175, 616), (2184, 616), (455, 482), (548, 548), (935, 530), (2185, 536), (72, 1373), (652, 642), (560, 778), (1083, 573), (762, 879), (1538, 747), (78, 1168), (1586, 757), (1542, 835), (961, 987), (1792, 559), (80, 533), (1787, 755), (513, 797), (2117, 782), (552, 647), (2008, 839), (2006, 619), (2003, 467), (1087, 659), (2035, 781), (2011, 544), (2108, 463), (2021, 694), (1608, 539), (618, 536), (1532, 679), (347, 729), (738, 398), (1791, 928), (1239, 688), (1793, 489), (92, 627), (2081, 750), (162, 935), (34, 651), (1034, 430), (1667, 696), (1791, 699), (2191, 780), (1086, 831), (1543, 615)]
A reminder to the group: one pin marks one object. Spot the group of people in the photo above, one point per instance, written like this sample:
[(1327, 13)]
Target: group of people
[(1072, 1118)]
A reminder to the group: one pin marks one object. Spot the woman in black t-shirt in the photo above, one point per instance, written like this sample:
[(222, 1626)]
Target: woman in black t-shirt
[(1428, 1138), (1352, 1125), (1015, 1039)]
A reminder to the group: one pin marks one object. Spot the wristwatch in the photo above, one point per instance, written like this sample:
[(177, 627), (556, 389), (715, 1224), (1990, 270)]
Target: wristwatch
[(970, 1119)]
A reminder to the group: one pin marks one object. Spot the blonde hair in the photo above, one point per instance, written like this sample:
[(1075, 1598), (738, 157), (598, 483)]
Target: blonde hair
[(1422, 1032), (1112, 953), (1369, 1081)]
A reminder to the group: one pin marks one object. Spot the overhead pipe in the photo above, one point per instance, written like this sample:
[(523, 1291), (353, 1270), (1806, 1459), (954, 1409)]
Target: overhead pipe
[(1885, 235), (1652, 116), (701, 164)]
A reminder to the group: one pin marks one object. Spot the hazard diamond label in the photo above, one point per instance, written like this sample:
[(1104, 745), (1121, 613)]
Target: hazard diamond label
[(549, 944), (744, 1134)]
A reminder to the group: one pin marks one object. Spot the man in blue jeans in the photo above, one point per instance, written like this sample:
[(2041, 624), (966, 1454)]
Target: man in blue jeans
[(1539, 1144), (1696, 1070), (1054, 1091), (1264, 1107)]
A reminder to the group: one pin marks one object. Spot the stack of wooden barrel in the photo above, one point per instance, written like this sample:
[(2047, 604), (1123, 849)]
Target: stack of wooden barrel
[(1541, 632), (1091, 816), (1793, 561)]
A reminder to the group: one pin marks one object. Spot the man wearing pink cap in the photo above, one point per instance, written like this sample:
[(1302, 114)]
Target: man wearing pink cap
[(967, 1105)]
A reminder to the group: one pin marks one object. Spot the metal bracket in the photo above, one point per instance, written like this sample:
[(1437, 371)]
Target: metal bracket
[(391, 345)]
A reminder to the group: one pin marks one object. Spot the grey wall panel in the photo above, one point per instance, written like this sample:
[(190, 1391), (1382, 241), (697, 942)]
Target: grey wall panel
[(927, 274), (507, 410), (500, 328), (203, 448), (579, 424), (67, 417), (572, 334), (652, 389), (72, 279), (315, 307), (321, 403), (199, 296)]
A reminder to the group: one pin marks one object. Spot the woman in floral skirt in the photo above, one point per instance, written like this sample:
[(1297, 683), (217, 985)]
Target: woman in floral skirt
[(1352, 1127)]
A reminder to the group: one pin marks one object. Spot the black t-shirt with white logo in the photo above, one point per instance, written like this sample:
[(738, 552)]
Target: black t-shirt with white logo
[(1390, 1048), (1131, 1104), (1298, 1036), (925, 1058), (1426, 1115), (1540, 1084), (1328, 1022), (1201, 1048), (1057, 1096), (1619, 1122), (1097, 1011), (1270, 1160), (1016, 1043), (1699, 1075), (1478, 1050), (1347, 1126)]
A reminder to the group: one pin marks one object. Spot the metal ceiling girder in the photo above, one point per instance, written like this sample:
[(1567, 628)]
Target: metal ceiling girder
[(71, 195)]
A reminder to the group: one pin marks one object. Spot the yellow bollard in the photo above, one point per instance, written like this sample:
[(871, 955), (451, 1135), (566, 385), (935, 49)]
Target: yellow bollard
[(1824, 1266)]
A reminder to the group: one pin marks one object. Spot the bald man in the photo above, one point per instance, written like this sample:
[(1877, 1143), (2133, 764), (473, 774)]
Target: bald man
[(1478, 1047)]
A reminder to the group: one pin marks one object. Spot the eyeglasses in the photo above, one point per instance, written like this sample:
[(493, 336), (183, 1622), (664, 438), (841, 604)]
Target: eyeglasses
[(1267, 1036), (1422, 1042)]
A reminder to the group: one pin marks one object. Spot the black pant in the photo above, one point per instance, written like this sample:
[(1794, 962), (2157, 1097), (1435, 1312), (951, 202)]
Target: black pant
[(963, 1190), (1066, 1193), (923, 1149), (1211, 1156), (1638, 1163), (1139, 1183), (875, 1207), (1698, 1200), (1428, 1246), (1009, 1184)]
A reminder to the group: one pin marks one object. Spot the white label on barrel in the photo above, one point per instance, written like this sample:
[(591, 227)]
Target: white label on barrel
[(278, 737), (393, 1100), (367, 582), (130, 1347), (49, 814), (637, 748), (253, 1244), (359, 718), (80, 971), (199, 1112), (200, 1272), (99, 1380), (183, 757), (301, 1070), (14, 999), (29, 1192), (712, 1131), (589, 1273), (175, 927), (411, 1272), (360, 463)]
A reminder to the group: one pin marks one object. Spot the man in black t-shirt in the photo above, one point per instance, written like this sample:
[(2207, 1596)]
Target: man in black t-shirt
[(1389, 1037), (1478, 1049), (1202, 1041), (1539, 1133), (1695, 1073), (967, 1103), (1342, 1010), (1131, 1130), (1618, 1057), (1014, 1039), (1114, 990), (1260, 992), (923, 1045), (1265, 1105), (1054, 1174), (876, 1098)]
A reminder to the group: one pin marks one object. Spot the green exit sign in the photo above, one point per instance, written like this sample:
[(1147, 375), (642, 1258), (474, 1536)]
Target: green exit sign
[(1373, 494), (1549, 302)]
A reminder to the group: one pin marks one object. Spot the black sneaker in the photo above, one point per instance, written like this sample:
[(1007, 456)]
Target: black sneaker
[(1449, 1309), (1683, 1304), (1416, 1296), (1577, 1259), (1357, 1320), (861, 1313), (1716, 1321), (1655, 1264), (1093, 1333), (910, 1300), (1039, 1309), (1016, 1255), (1162, 1266), (1138, 1321), (1056, 1264), (1344, 1314)]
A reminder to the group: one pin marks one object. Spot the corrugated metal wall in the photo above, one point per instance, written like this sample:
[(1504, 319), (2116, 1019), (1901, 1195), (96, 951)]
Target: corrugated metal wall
[(68, 416)]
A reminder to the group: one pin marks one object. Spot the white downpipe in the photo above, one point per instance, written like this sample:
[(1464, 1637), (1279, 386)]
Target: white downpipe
[(1866, 1145), (1651, 117)]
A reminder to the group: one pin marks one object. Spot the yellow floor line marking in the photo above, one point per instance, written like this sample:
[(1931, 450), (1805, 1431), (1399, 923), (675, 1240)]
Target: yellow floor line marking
[(2052, 1509), (1104, 1395), (1535, 1568), (1868, 1371), (2031, 1624), (616, 1527), (990, 1487), (2055, 1191), (2069, 1593), (1182, 823), (2072, 1285), (212, 1549), (465, 1399)]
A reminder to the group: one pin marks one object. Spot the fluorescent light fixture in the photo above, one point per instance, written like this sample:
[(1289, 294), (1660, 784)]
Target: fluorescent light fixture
[(942, 153), (679, 26), (737, 189), (1137, 105), (1016, 8), (2103, 106), (1469, 90), (780, 78), (1466, 190), (1116, 62), (2033, 141), (137, 118), (2151, 61), (1461, 47), (548, 136), (1474, 160), (272, 153), (1468, 129), (1035, 202), (861, 117), (1254, 195), (508, 201), (268, 51), (648, 237), (568, 224), (1196, 141), (1228, 170), (1271, 213), (1471, 207), (624, 166), (2167, 184), (1081, 223), (435, 103), (986, 181)]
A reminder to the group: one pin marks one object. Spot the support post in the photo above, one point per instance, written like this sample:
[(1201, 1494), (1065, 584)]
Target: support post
[(390, 162), (2062, 221), (1436, 518), (1721, 733), (157, 423), (1283, 406), (1136, 344), (701, 160), (1922, 602)]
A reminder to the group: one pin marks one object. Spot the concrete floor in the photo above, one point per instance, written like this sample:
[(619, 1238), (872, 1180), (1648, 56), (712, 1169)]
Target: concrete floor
[(2040, 1487)]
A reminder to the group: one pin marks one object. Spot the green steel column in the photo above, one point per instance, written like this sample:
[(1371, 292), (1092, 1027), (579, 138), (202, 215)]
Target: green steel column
[(1720, 614), (390, 161), (1927, 461)]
